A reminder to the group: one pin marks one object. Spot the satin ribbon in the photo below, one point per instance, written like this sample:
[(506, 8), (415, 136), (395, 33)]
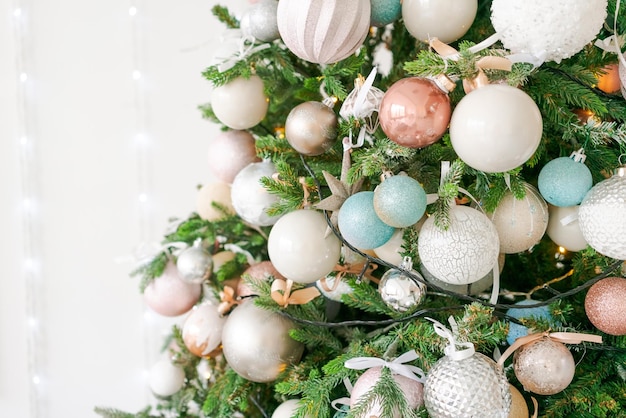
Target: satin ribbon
[(359, 110), (397, 366), (235, 48), (612, 43), (228, 300), (238, 250), (282, 294), (452, 350), (562, 337), (343, 401)]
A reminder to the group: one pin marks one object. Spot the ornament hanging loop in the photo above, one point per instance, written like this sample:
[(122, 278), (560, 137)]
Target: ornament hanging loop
[(452, 350)]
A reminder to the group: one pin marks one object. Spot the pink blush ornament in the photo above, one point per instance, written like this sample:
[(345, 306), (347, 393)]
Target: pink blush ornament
[(229, 153), (170, 295)]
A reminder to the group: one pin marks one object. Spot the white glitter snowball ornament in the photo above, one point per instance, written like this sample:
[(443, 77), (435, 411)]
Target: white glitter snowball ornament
[(496, 128), (552, 30), (202, 330), (259, 21), (323, 31), (564, 228), (194, 264), (240, 103), (166, 378), (447, 20), (249, 198), (602, 216), (299, 248), (465, 252), (400, 291)]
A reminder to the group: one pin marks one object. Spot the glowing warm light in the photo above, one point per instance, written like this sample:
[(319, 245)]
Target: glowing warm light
[(562, 250)]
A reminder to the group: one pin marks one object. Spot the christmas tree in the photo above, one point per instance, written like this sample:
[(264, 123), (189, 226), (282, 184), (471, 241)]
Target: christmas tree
[(420, 212)]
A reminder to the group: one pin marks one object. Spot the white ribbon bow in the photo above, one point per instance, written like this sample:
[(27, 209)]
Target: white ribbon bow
[(452, 350), (397, 366), (235, 48)]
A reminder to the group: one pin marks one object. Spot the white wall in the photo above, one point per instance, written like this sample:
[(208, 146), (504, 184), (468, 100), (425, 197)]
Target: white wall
[(69, 313)]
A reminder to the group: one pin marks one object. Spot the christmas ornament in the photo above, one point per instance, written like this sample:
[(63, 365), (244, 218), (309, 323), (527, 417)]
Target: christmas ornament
[(392, 249), (256, 343), (552, 30), (521, 223), (602, 216), (287, 409), (311, 128), (385, 12), (250, 199), (359, 225), (519, 409), (475, 288), (605, 306), (229, 153), (258, 272), (341, 190), (400, 291), (170, 295), (622, 75), (465, 384), (517, 330), (259, 21), (415, 111), (240, 103), (363, 102), (299, 248), (194, 264), (214, 192), (399, 201), (333, 287), (609, 81), (447, 20), (496, 128), (565, 181), (202, 330), (166, 378), (465, 252), (564, 229)]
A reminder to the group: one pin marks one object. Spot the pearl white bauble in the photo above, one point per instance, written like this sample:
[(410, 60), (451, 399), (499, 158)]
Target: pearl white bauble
[(299, 248), (170, 295), (287, 409), (240, 103), (218, 192), (250, 199), (544, 366), (447, 20), (229, 153), (496, 128), (391, 250), (166, 378), (564, 228), (202, 330)]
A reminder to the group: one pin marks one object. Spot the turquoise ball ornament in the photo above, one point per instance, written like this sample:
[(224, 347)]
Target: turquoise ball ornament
[(400, 201), (385, 12), (359, 225), (564, 181), (516, 330)]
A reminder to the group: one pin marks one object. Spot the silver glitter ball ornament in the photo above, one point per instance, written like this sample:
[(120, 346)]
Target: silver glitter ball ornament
[(400, 291), (260, 21), (194, 264)]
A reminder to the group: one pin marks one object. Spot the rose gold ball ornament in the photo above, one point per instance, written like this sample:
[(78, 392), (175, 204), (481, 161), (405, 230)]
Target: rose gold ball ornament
[(606, 307), (496, 128), (323, 31), (202, 330), (311, 128), (447, 20), (170, 295), (218, 192), (256, 343), (240, 103), (414, 112), (166, 378), (229, 153), (299, 248), (564, 229), (544, 366), (194, 264), (250, 199), (519, 408), (259, 272), (400, 291)]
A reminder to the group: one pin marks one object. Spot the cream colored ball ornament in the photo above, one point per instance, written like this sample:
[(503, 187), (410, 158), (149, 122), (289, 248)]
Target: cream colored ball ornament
[(323, 31), (166, 378), (447, 20), (215, 191), (564, 229), (240, 103)]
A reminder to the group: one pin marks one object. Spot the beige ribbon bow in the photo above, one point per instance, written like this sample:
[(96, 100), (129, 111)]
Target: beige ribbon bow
[(283, 295)]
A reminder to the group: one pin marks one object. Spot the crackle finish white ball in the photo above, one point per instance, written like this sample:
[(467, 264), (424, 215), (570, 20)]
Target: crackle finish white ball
[(249, 198), (447, 20), (240, 103), (555, 29)]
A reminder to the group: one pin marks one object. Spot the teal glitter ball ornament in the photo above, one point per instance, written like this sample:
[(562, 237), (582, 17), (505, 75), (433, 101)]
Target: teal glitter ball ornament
[(359, 225), (565, 181), (385, 12), (400, 201), (517, 330)]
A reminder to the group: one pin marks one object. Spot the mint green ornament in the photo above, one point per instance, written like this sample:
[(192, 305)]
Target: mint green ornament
[(385, 12), (400, 201)]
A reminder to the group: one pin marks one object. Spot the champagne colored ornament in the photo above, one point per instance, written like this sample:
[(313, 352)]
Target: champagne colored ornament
[(260, 272), (194, 264), (519, 408), (229, 153), (496, 128), (605, 305), (552, 30), (400, 201), (250, 199), (602, 216), (564, 229), (202, 330), (385, 12), (166, 378), (170, 295), (521, 223), (609, 81), (240, 103), (218, 192), (516, 330), (287, 409), (400, 291), (299, 248), (415, 112), (359, 224), (565, 181), (323, 31), (311, 128), (447, 20), (465, 252), (256, 343), (259, 21)]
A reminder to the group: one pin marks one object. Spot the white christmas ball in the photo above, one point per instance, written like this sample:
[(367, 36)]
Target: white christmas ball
[(171, 295), (332, 289), (202, 330), (249, 198), (496, 128), (299, 248), (259, 21), (465, 252), (229, 153), (564, 228), (555, 29), (392, 249), (447, 20), (240, 103), (215, 191), (287, 409), (166, 378)]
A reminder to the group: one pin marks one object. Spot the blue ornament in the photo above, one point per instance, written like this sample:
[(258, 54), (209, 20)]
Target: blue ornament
[(565, 181), (400, 201), (385, 12), (516, 330), (359, 224)]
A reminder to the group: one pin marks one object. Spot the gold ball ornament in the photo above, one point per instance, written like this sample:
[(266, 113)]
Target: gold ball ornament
[(240, 103), (215, 191), (311, 128), (605, 305), (519, 408)]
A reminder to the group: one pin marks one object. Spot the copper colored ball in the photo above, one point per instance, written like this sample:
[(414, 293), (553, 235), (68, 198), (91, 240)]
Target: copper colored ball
[(414, 112), (605, 305), (544, 366), (519, 409), (311, 128), (256, 272)]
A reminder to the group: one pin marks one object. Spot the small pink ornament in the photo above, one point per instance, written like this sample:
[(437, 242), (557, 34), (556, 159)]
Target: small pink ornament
[(257, 272), (605, 306), (170, 295), (229, 153)]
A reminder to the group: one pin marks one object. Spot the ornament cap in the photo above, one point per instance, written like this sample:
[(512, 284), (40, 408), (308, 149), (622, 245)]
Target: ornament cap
[(444, 83), (579, 156)]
